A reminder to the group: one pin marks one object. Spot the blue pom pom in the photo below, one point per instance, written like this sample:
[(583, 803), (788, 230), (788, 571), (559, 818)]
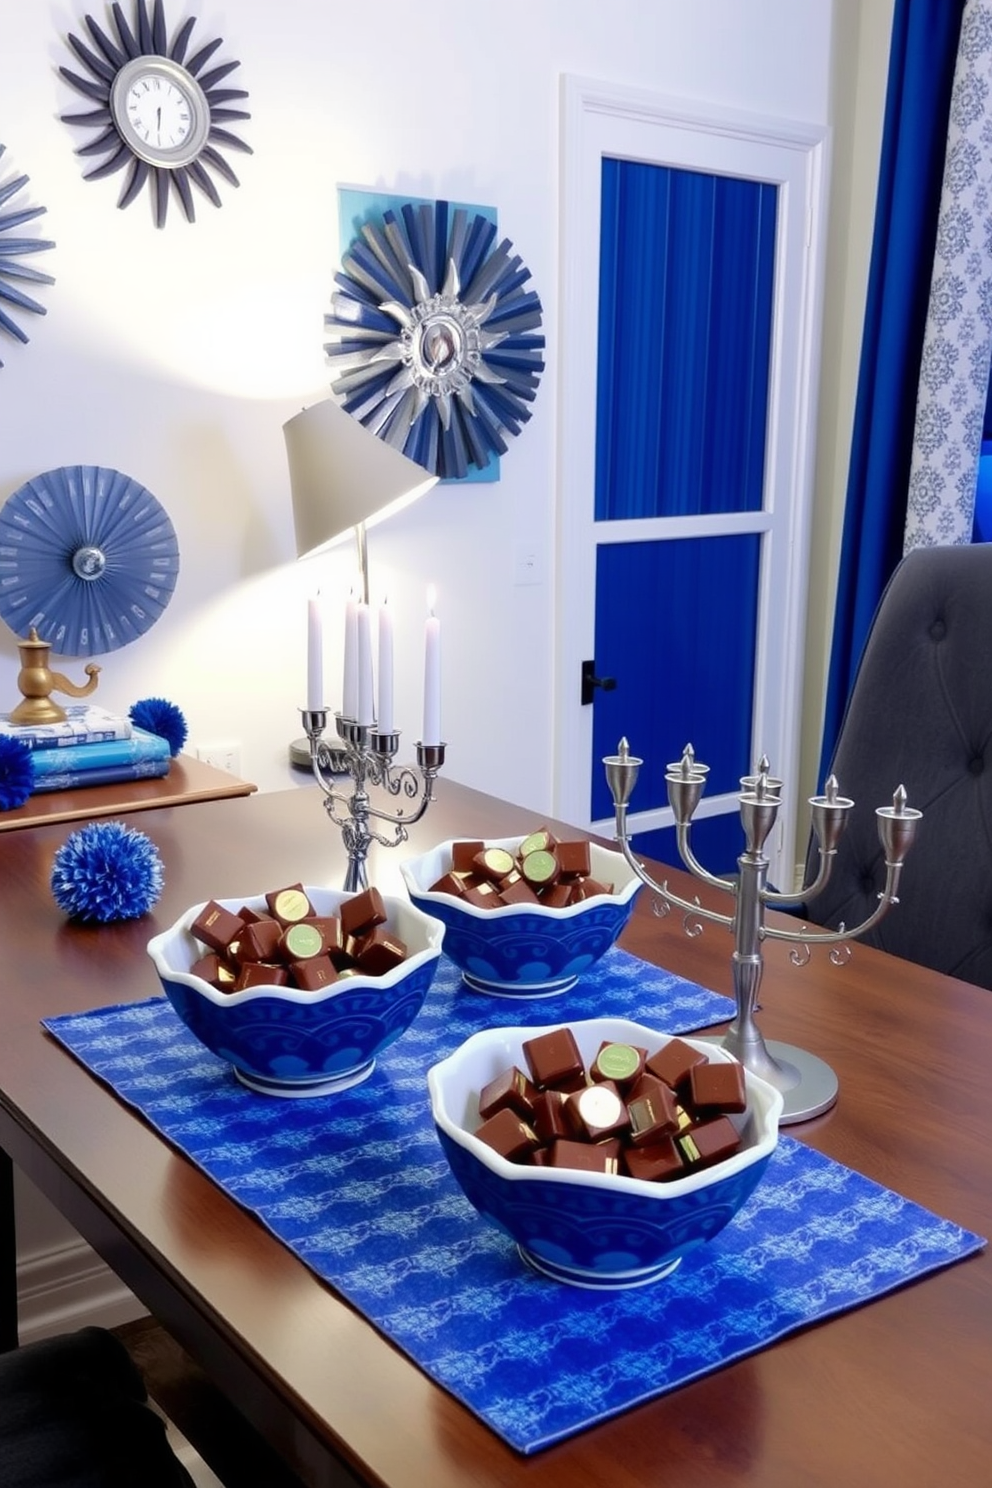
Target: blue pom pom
[(16, 772), (105, 872), (157, 716)]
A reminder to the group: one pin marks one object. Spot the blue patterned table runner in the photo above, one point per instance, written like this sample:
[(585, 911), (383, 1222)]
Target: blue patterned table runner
[(356, 1186)]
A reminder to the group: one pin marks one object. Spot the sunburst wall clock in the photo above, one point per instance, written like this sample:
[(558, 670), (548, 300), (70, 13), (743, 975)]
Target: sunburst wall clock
[(12, 250), (435, 346), (161, 111)]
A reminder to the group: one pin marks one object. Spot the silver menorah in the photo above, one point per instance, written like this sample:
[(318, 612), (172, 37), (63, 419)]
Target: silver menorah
[(366, 757), (807, 1083)]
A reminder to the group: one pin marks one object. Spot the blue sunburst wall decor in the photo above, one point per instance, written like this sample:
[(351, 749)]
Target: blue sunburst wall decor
[(159, 108), (435, 343), (88, 558), (12, 250)]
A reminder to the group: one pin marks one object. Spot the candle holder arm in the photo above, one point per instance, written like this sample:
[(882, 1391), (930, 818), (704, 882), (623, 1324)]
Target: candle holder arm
[(695, 867), (672, 900), (886, 899), (779, 900)]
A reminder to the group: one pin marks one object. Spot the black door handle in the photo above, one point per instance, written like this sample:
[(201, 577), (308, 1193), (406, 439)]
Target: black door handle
[(590, 682)]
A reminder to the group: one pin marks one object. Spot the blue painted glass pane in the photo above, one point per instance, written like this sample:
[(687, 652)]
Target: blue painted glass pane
[(982, 528), (685, 320), (717, 842), (675, 625)]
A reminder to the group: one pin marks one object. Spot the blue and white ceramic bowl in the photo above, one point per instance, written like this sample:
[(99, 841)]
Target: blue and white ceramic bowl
[(590, 1229), (282, 1041), (532, 951)]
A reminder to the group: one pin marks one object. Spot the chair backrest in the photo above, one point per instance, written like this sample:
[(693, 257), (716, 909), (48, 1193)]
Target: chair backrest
[(920, 715)]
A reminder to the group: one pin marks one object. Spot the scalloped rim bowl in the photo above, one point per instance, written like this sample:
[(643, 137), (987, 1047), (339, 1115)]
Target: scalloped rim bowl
[(529, 950), (590, 1229), (283, 1041)]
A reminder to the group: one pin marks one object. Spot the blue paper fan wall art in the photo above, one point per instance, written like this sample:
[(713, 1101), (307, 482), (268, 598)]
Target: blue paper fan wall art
[(435, 338), (12, 249), (88, 557)]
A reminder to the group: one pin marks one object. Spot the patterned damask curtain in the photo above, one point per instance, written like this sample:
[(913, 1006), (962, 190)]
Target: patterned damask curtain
[(954, 373)]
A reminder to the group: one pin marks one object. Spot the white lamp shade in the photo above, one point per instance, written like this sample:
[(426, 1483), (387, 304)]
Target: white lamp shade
[(342, 476)]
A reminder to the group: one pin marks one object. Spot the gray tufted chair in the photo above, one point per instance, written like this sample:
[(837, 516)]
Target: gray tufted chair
[(920, 715)]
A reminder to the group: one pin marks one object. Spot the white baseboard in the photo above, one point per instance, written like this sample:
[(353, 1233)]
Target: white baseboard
[(69, 1287)]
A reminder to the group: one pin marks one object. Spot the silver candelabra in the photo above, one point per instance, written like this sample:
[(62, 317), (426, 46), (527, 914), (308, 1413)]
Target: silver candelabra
[(807, 1083), (366, 757)]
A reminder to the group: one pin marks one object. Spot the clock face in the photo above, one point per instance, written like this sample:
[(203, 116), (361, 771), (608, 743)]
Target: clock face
[(162, 108), (160, 111)]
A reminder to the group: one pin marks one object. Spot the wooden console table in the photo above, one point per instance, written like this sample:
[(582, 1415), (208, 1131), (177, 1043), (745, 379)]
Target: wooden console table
[(189, 780)]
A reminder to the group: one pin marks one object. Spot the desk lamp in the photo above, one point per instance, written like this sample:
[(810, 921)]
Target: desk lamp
[(343, 480)]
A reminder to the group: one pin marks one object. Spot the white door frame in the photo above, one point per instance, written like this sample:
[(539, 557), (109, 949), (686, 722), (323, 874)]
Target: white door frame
[(602, 119)]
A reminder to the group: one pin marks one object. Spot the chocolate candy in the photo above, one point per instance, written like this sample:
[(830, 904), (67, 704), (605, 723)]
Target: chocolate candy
[(589, 1157), (652, 1111), (331, 934), (301, 941), (506, 1134), (622, 1063), (216, 926), (209, 967), (362, 912), (589, 888), (540, 867), (483, 895), (379, 951), (709, 1142), (655, 1163), (511, 1090), (573, 859), (635, 1125), (673, 1062), (717, 1086), (557, 874), (549, 1116), (557, 896), (259, 974), (516, 890), (289, 905), (462, 854), (251, 949), (554, 1059), (314, 975), (259, 940), (493, 863), (596, 1112), (449, 883), (539, 841)]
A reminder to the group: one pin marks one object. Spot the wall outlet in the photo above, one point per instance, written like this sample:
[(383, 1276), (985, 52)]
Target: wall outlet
[(221, 756), (528, 564)]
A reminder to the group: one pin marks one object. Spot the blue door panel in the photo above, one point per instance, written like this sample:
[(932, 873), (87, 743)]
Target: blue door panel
[(685, 323), (675, 626)]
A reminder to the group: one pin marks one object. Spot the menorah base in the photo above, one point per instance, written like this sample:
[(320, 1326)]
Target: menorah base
[(807, 1083)]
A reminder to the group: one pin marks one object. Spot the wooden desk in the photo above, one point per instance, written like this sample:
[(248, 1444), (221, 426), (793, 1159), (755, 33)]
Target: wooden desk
[(189, 780), (895, 1392)]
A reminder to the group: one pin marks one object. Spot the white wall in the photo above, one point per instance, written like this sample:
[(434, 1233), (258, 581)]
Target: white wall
[(176, 355)]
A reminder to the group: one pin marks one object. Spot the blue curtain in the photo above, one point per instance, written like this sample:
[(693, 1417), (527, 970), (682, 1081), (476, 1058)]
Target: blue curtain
[(921, 71)]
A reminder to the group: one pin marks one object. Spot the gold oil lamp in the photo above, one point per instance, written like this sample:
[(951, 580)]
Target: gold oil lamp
[(37, 682)]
